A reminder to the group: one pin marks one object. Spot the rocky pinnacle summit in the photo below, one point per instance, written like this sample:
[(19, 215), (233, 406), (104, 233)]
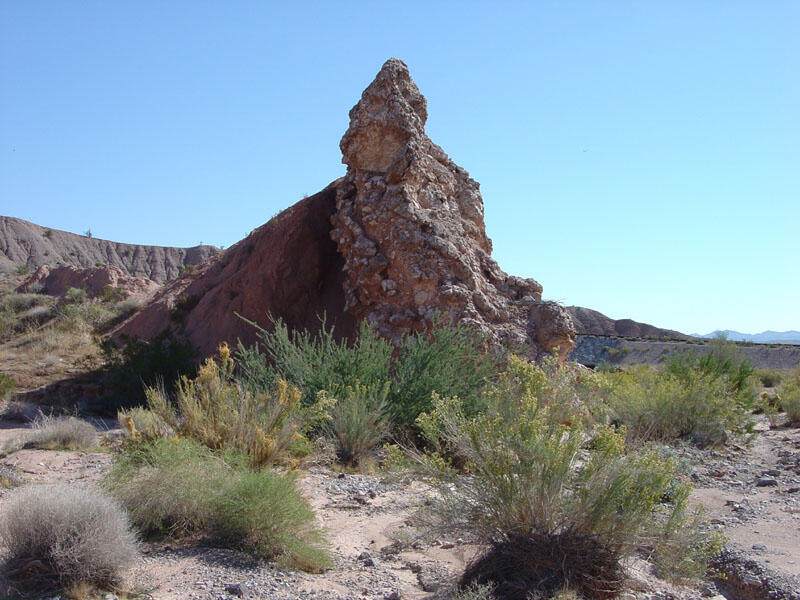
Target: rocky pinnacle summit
[(410, 225)]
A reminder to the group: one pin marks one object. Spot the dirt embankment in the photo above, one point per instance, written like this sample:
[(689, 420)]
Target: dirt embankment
[(25, 243), (593, 350)]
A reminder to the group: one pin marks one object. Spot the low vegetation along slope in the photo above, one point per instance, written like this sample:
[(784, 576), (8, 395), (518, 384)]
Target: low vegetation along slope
[(555, 476)]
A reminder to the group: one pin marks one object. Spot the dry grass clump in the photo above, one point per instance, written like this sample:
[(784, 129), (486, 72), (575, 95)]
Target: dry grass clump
[(10, 476), (143, 425), (179, 487), (57, 536), (53, 433), (61, 433)]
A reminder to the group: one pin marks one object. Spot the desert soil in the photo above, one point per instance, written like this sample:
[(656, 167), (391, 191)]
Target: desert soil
[(750, 492)]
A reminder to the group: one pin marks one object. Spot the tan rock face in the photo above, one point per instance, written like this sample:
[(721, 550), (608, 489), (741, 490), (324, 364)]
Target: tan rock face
[(398, 240), (57, 280), (409, 223)]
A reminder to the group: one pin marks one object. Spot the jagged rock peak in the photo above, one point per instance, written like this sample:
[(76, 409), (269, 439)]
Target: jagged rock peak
[(391, 113), (409, 224)]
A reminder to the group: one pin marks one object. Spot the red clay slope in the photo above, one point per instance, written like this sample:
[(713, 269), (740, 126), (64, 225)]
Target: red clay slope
[(288, 267)]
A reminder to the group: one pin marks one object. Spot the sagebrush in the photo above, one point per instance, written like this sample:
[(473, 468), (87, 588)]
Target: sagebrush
[(662, 405), (50, 432), (57, 535), (179, 487), (223, 414), (569, 495)]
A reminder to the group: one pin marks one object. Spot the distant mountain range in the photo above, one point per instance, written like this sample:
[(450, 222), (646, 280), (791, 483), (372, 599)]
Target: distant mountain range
[(765, 337)]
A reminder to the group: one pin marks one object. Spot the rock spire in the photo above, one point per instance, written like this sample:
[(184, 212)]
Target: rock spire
[(409, 224)]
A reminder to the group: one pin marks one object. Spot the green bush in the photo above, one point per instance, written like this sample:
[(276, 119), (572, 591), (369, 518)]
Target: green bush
[(769, 377), (358, 421), (112, 294), (446, 360), (553, 514), (22, 270), (790, 397), (6, 386), (87, 316), (724, 361), (662, 406), (60, 536), (319, 362), (179, 487), (75, 296), (214, 409)]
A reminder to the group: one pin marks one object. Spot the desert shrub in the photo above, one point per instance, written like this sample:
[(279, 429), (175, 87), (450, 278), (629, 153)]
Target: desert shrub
[(769, 377), (109, 293), (358, 421), (317, 362), (446, 360), (552, 514), (138, 364), (35, 316), (19, 312), (6, 386), (19, 303), (183, 306), (22, 270), (75, 296), (471, 592), (179, 487), (221, 413), (89, 316), (144, 425), (790, 397), (724, 361), (63, 432), (568, 391), (57, 535), (10, 476), (661, 406), (127, 307)]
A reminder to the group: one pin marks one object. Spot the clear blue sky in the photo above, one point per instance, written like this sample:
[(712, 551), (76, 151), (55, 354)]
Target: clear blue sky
[(638, 158)]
